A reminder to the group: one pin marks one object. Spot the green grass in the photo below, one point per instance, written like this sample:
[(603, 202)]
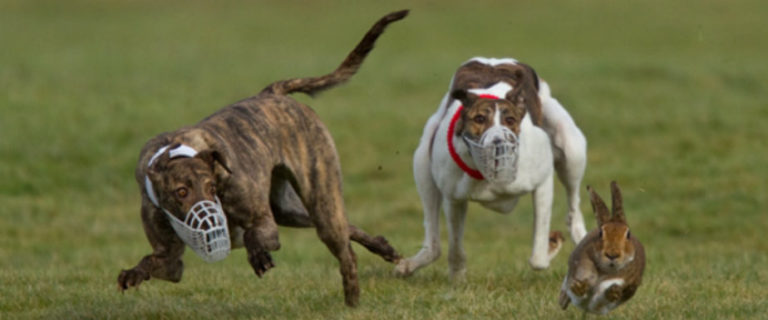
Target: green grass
[(670, 94)]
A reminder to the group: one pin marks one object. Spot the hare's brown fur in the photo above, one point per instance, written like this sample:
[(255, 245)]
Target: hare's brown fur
[(606, 268)]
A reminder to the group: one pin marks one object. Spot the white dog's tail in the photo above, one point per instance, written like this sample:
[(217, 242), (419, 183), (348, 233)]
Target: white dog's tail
[(346, 70)]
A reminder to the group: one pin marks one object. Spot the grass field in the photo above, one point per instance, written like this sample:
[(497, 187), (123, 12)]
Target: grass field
[(670, 94)]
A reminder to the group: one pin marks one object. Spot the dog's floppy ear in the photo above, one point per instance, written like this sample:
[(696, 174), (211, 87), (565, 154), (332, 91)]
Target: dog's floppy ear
[(211, 157), (467, 100), (527, 91)]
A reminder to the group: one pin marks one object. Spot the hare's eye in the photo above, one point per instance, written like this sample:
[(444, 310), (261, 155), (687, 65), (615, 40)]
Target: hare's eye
[(479, 118), (627, 234), (601, 233), (182, 192)]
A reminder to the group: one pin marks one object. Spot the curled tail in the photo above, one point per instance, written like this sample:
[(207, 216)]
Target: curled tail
[(345, 71)]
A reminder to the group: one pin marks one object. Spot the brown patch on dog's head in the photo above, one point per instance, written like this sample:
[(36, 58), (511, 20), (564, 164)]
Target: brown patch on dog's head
[(480, 114), (522, 78), (181, 182)]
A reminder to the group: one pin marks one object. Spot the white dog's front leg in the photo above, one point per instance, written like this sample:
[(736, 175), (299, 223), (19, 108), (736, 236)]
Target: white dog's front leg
[(542, 207), (455, 213), (430, 200)]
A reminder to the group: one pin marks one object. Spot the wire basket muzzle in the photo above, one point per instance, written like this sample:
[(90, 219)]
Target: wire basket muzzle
[(204, 230), (496, 154)]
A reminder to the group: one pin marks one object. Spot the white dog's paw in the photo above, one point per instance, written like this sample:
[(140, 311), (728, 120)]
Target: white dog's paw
[(538, 262), (578, 231), (403, 268)]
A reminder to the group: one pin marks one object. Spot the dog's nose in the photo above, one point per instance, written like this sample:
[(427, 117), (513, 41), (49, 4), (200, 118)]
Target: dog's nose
[(611, 256)]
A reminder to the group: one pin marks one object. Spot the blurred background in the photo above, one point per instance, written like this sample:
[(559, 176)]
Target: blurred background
[(670, 94)]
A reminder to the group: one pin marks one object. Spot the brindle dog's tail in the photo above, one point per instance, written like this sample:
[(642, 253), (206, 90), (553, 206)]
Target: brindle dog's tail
[(345, 71)]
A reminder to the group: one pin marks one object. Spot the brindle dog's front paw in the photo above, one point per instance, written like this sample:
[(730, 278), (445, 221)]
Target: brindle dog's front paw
[(131, 278), (579, 288), (613, 293), (260, 261)]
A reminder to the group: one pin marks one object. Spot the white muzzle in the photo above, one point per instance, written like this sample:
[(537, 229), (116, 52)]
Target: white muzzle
[(204, 230), (495, 154)]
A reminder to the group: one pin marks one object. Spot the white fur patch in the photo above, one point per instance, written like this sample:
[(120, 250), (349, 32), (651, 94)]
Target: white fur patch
[(493, 61), (605, 284), (499, 89), (599, 303)]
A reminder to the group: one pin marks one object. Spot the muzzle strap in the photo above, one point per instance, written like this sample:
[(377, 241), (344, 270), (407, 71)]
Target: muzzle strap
[(452, 150)]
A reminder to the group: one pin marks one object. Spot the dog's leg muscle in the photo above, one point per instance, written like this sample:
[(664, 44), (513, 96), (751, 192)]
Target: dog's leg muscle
[(570, 148), (570, 170), (542, 207), (165, 261), (327, 212), (456, 212)]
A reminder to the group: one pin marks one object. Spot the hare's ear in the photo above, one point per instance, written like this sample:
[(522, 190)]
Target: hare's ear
[(618, 206), (599, 207)]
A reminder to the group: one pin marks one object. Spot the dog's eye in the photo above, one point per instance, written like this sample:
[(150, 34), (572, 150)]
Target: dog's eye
[(182, 192), (510, 120), (212, 189), (479, 118)]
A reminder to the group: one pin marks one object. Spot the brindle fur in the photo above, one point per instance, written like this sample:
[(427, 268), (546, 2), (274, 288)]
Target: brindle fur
[(271, 162)]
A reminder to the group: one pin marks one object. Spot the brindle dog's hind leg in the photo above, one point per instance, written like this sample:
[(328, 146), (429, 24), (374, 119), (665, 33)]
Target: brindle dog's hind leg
[(378, 244), (326, 208), (165, 261), (290, 211)]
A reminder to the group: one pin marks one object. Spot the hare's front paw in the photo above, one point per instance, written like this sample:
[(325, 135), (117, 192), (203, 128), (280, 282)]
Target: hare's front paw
[(579, 288), (613, 293)]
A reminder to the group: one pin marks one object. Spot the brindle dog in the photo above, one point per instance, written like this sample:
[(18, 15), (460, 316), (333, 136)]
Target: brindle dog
[(271, 161)]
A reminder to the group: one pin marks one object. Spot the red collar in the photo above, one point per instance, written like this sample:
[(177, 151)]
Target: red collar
[(452, 150)]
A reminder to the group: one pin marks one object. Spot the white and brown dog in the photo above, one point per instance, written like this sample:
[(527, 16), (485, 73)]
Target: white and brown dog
[(497, 135)]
